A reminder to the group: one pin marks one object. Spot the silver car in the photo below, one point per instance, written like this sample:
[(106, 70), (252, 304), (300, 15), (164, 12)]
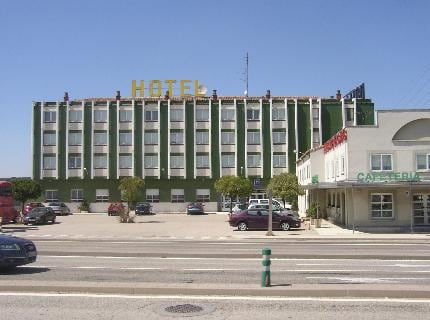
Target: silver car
[(59, 208)]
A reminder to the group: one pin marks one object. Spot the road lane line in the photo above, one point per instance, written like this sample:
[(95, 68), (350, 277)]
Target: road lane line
[(209, 298)]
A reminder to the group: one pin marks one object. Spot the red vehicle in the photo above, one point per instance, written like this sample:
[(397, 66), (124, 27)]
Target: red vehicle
[(115, 208), (7, 210), (29, 206)]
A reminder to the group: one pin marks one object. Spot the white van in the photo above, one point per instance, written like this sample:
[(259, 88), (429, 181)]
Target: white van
[(275, 203)]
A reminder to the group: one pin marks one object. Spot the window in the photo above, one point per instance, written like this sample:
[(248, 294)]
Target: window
[(49, 116), (125, 139), (423, 162), (342, 166), (381, 162), (227, 137), (349, 112), (151, 161), (279, 161), (100, 115), (151, 137), (316, 137), (202, 114), (228, 160), (153, 195), (49, 162), (202, 137), (177, 162), (203, 195), (75, 115), (279, 137), (177, 195), (315, 114), (100, 138), (382, 205), (51, 195), (278, 114), (125, 115), (49, 139), (202, 161), (253, 114), (176, 115), (254, 161), (151, 115), (253, 137), (227, 114), (75, 161), (176, 137), (125, 161), (75, 138), (102, 195), (76, 195), (100, 161)]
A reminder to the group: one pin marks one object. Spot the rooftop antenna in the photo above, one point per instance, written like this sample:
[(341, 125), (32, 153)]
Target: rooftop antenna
[(246, 74)]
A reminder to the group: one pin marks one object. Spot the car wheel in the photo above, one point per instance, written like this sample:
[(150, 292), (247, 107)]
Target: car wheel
[(242, 226), (53, 221), (285, 226)]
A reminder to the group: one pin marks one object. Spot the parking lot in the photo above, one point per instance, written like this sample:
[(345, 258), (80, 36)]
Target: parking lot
[(209, 226)]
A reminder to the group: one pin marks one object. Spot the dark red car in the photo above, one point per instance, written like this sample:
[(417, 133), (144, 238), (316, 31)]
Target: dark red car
[(29, 206), (259, 218), (115, 208)]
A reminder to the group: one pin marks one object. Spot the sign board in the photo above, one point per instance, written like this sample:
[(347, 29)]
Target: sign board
[(155, 88), (257, 183), (387, 176), (314, 179)]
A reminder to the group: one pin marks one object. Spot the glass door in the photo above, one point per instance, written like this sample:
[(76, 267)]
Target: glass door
[(421, 209)]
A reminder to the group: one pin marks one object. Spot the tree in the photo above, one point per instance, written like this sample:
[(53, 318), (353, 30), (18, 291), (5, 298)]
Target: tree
[(24, 190), (233, 186), (130, 188), (286, 186)]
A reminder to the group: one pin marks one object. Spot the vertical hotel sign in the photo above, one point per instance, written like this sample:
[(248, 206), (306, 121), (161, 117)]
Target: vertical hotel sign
[(155, 88)]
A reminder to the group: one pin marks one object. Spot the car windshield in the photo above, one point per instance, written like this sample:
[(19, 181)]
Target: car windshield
[(37, 211), (54, 204)]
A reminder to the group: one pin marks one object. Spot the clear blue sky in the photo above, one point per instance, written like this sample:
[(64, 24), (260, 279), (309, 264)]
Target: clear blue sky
[(93, 48)]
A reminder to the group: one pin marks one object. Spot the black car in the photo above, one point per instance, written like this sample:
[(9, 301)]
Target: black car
[(40, 216), (143, 208), (195, 208), (16, 251)]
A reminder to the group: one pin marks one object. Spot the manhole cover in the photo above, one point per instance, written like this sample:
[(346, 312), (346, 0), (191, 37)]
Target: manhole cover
[(184, 308)]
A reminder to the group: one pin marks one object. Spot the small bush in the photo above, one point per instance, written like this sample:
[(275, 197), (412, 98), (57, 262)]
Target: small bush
[(84, 206), (124, 217)]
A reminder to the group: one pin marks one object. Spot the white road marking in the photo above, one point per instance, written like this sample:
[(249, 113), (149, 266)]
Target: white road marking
[(366, 280), (208, 298)]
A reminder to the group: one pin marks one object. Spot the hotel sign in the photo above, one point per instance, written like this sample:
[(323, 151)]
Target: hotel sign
[(155, 88), (387, 176)]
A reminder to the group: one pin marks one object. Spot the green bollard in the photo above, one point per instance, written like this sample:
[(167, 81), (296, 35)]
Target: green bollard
[(265, 275)]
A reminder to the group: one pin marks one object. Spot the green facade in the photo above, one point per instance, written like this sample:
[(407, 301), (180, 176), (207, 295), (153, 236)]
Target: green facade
[(189, 139), (240, 137), (37, 143), (138, 139), (215, 139), (331, 119), (267, 143)]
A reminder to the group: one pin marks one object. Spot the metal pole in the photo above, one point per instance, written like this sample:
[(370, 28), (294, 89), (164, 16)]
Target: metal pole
[(270, 222), (411, 204), (265, 275), (353, 209)]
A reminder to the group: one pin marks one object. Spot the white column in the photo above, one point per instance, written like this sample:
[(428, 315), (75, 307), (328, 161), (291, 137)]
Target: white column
[(319, 120), (92, 136), (246, 138), (296, 129), (42, 105), (159, 140), (286, 132), (32, 140), (354, 100), (343, 113), (271, 138), (132, 137), (143, 140), (261, 139), (83, 139), (117, 142), (219, 140), (169, 125)]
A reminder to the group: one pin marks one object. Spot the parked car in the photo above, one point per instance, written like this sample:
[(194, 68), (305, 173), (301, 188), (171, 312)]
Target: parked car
[(59, 208), (40, 215), (115, 208), (143, 208), (195, 208), (239, 207), (15, 251), (258, 219), (275, 203), (31, 205)]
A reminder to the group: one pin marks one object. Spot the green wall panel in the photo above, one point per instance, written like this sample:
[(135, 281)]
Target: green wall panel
[(113, 141), (291, 114), (215, 160), (87, 134), (163, 143), (189, 139), (37, 144), (331, 119), (365, 113), (241, 133), (138, 158), (303, 127), (61, 143), (267, 143)]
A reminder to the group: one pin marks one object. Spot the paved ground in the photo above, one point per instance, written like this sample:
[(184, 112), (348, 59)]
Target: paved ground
[(179, 226)]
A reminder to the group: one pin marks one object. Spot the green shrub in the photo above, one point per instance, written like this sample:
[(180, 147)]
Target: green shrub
[(84, 206)]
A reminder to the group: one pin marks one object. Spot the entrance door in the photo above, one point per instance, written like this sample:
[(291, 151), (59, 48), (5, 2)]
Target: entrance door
[(421, 209)]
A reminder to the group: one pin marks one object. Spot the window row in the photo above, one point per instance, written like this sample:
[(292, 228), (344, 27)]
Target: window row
[(151, 138), (151, 161), (151, 195), (384, 162)]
